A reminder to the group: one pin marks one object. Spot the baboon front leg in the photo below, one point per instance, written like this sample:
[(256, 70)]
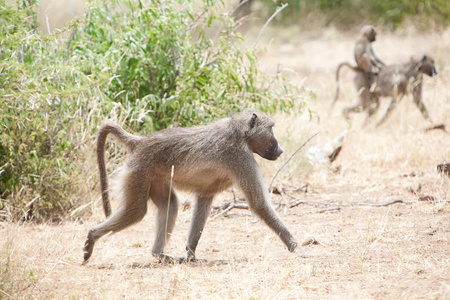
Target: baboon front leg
[(253, 187), (417, 97), (165, 219), (200, 214)]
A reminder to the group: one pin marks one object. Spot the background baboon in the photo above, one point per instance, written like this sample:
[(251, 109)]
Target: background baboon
[(365, 57), (206, 160), (395, 81), (367, 67)]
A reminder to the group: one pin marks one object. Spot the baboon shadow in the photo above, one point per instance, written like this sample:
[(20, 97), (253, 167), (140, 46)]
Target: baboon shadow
[(157, 265)]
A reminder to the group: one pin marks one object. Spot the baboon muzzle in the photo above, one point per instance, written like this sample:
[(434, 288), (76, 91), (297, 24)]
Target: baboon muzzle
[(278, 152)]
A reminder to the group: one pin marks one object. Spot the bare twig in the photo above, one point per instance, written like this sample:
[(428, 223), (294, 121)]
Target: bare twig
[(324, 210), (382, 204), (50, 32), (285, 163), (72, 35), (229, 206), (168, 202), (279, 9), (315, 203), (312, 203)]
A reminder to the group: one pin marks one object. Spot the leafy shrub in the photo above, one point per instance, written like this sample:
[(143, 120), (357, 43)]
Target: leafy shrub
[(160, 57), (149, 66), (42, 112)]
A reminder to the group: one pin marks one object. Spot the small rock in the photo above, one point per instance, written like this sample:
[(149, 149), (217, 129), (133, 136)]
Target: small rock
[(311, 241), (444, 168), (426, 198)]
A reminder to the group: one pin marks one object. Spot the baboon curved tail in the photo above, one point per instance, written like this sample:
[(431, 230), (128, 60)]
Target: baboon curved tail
[(344, 64), (128, 139)]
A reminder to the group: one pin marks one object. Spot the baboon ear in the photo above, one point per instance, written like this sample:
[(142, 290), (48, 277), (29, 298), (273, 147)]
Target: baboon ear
[(417, 58), (253, 120)]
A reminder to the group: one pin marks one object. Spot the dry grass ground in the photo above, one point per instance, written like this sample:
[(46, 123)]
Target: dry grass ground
[(400, 251)]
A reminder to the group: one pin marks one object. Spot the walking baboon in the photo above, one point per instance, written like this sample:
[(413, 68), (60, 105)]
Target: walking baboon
[(396, 81), (367, 67), (206, 160)]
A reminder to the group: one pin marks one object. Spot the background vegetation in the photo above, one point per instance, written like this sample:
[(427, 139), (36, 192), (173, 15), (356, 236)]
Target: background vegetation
[(425, 14), (150, 66)]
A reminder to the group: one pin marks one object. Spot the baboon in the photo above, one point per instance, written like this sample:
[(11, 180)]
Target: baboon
[(365, 57), (367, 67), (396, 81), (204, 160)]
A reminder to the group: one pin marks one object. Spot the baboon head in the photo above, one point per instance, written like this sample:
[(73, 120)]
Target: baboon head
[(260, 137), (425, 64), (369, 32)]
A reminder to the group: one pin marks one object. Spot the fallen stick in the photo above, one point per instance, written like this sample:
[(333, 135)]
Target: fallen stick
[(324, 210), (227, 207)]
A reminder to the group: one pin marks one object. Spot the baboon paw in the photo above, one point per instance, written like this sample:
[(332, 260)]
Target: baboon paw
[(195, 259), (170, 259), (88, 248)]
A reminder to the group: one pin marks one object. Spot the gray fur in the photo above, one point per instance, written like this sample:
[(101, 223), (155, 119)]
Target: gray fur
[(396, 81), (207, 160)]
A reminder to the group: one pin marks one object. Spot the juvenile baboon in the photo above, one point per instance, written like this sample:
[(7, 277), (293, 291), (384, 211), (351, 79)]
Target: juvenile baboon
[(367, 67), (396, 81), (365, 57), (206, 160)]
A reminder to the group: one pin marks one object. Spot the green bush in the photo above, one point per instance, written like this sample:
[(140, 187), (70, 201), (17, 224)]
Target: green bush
[(149, 66), (160, 61), (43, 108)]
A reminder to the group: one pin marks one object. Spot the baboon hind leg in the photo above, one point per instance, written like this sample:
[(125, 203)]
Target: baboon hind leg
[(363, 95), (133, 209), (355, 107), (165, 219), (371, 108), (200, 214)]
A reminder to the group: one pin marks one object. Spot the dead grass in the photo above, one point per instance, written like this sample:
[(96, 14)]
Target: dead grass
[(392, 252)]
